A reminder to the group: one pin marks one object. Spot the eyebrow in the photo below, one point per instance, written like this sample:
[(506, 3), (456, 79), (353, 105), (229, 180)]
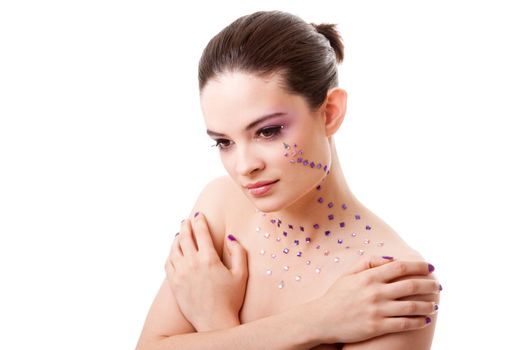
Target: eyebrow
[(251, 125)]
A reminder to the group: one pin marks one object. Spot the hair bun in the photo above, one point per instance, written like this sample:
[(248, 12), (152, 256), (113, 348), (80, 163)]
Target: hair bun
[(333, 36)]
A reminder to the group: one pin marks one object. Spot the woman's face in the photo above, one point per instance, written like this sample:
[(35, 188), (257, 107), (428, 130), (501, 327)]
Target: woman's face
[(264, 134)]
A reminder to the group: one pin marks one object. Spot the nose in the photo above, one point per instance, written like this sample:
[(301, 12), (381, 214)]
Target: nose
[(247, 161)]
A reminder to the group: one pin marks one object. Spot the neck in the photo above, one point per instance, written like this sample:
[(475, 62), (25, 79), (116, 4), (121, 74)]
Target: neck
[(324, 211)]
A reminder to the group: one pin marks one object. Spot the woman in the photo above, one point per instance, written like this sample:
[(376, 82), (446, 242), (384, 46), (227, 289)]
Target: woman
[(281, 254)]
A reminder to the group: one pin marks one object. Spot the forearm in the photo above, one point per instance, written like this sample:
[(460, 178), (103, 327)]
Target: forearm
[(287, 330)]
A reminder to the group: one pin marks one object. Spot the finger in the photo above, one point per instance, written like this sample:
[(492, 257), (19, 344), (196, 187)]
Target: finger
[(396, 269), (169, 267), (408, 308), (238, 256), (408, 287), (369, 262), (175, 251), (187, 244), (401, 324), (203, 235)]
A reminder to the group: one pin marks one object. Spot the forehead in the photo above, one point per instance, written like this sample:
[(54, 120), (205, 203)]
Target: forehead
[(234, 99)]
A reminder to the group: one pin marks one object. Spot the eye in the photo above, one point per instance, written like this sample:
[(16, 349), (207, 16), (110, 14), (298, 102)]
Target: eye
[(270, 132), (222, 144)]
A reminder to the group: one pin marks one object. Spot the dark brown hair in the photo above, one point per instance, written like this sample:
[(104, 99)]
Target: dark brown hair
[(306, 55)]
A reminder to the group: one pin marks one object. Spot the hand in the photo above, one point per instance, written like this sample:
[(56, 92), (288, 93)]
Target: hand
[(363, 303), (208, 293)]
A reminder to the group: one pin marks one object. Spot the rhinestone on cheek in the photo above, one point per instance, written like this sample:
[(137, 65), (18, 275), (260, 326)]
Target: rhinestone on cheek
[(316, 226), (361, 252), (286, 267), (327, 233), (268, 272), (278, 239), (297, 278), (286, 250), (274, 256), (354, 234), (266, 235), (344, 206), (366, 241), (317, 269), (340, 241), (336, 259), (280, 285), (341, 224), (301, 228), (368, 227), (330, 205), (380, 244), (257, 229), (308, 239), (326, 252), (320, 199), (358, 217), (308, 262), (330, 217), (299, 254), (296, 242), (262, 252)]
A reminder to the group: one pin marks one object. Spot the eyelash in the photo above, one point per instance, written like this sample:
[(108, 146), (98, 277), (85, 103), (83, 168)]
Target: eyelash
[(275, 132)]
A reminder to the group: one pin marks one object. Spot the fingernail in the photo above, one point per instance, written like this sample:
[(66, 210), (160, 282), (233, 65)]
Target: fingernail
[(440, 288), (231, 237), (430, 268), (428, 320), (388, 257), (177, 234), (197, 213)]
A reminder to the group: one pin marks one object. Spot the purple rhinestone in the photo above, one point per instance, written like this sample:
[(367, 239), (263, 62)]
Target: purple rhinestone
[(330, 205), (286, 154), (285, 234), (327, 233), (296, 242), (299, 254), (320, 199), (299, 160), (324, 168), (319, 166), (273, 221), (318, 246), (301, 228), (295, 145), (292, 161), (308, 240), (305, 163), (290, 227), (344, 206), (318, 188), (368, 227), (312, 164), (330, 217), (286, 250), (340, 241), (316, 226), (358, 217), (341, 224)]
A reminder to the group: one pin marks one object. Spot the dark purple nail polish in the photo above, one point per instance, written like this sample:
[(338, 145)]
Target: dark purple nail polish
[(440, 288), (177, 234), (430, 268), (231, 237), (197, 213), (436, 307), (182, 221), (388, 257), (428, 320)]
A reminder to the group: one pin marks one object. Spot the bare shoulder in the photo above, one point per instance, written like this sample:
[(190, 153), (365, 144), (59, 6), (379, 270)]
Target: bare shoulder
[(215, 201)]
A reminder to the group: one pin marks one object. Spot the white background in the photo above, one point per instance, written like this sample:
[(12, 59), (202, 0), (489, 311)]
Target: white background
[(103, 152)]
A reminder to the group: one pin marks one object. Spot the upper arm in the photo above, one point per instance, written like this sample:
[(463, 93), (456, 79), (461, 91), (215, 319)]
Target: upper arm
[(165, 317), (420, 339)]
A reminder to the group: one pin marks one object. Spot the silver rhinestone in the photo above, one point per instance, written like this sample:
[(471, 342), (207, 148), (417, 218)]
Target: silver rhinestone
[(308, 262), (354, 234), (258, 229), (326, 252), (274, 256), (361, 251), (380, 244), (286, 267), (261, 251), (297, 278), (278, 239), (280, 285), (268, 272), (366, 241), (336, 259), (266, 235), (318, 269)]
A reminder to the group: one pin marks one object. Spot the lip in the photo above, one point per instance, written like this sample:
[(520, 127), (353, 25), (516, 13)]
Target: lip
[(260, 188)]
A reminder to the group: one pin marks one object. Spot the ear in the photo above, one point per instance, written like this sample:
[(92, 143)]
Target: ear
[(334, 110)]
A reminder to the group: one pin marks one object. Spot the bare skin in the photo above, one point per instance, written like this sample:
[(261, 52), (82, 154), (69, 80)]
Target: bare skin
[(229, 104)]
